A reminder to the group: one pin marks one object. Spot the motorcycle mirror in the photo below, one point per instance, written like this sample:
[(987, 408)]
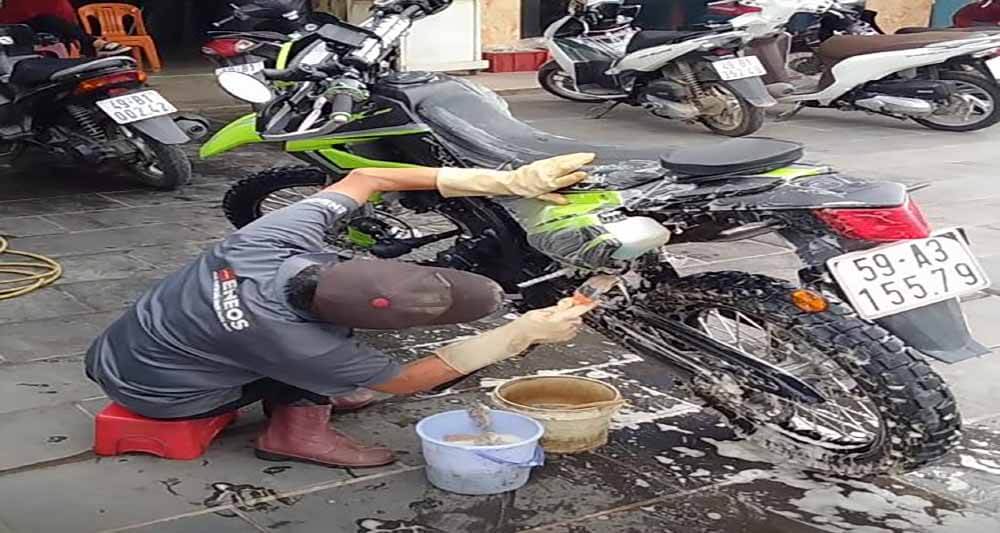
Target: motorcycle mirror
[(245, 87)]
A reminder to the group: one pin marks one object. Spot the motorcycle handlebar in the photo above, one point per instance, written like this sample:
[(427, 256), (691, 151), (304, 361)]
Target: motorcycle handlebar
[(299, 73), (343, 106)]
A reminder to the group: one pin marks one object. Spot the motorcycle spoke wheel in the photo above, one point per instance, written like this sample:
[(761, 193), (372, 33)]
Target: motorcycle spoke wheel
[(282, 198), (383, 222), (847, 420), (884, 410)]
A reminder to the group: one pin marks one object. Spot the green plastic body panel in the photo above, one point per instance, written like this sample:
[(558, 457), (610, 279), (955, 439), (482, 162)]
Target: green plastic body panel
[(239, 132)]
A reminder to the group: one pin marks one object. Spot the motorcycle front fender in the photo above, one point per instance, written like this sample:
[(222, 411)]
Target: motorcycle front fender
[(753, 90), (937, 330), (239, 132), (161, 129)]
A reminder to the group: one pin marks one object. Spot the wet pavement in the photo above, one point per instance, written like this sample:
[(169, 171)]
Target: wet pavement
[(670, 466)]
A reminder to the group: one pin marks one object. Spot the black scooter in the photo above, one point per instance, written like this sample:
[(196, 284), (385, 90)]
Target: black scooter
[(92, 112)]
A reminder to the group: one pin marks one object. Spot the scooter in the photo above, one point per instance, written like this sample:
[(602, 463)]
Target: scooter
[(88, 111), (276, 27), (681, 75), (941, 80), (824, 372)]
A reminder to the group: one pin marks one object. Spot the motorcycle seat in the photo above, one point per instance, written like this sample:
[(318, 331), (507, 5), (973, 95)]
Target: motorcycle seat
[(34, 71), (483, 133), (755, 155), (841, 47), (650, 38)]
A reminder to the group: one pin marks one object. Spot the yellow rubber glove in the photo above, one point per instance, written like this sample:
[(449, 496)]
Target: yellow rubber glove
[(537, 180), (557, 324)]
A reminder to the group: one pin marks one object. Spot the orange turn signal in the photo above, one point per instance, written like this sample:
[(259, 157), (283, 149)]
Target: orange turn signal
[(809, 301), (111, 80)]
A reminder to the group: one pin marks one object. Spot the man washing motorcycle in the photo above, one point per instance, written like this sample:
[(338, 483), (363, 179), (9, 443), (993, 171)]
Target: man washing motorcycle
[(267, 315)]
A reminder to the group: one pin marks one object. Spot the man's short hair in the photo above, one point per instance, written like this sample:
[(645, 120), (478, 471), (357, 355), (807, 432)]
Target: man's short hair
[(301, 289)]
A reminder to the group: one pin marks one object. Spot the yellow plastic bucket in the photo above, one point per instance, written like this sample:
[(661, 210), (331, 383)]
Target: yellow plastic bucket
[(576, 412)]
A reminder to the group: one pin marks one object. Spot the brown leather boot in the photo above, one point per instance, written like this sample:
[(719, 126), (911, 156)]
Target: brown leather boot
[(303, 433)]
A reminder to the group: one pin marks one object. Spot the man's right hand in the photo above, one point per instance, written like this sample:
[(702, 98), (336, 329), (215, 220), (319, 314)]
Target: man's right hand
[(552, 325)]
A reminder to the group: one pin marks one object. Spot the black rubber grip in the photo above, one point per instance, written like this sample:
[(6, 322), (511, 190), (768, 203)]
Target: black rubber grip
[(343, 103)]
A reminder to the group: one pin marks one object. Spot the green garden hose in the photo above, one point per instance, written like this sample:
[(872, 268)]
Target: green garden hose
[(20, 278)]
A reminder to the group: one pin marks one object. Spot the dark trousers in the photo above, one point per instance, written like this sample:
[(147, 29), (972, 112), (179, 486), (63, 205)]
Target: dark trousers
[(65, 30), (269, 391)]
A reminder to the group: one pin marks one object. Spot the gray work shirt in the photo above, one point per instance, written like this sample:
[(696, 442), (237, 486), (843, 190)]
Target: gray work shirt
[(191, 342)]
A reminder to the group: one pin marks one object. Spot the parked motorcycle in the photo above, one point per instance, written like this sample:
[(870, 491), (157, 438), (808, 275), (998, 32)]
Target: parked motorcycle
[(695, 75), (825, 372), (276, 25), (89, 111), (941, 80)]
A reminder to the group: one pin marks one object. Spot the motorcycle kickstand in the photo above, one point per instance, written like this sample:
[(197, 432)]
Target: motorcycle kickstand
[(786, 115), (600, 110)]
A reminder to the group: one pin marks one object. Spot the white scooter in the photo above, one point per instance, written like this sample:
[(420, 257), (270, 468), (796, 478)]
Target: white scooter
[(942, 80), (683, 75)]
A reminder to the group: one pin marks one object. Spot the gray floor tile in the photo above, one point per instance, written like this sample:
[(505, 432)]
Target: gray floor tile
[(91, 242), (44, 384), (111, 294), (211, 523), (193, 193), (48, 302), (968, 473), (58, 204), (976, 396), (43, 434), (114, 492), (137, 216), (27, 227), (25, 341), (983, 316), (96, 267)]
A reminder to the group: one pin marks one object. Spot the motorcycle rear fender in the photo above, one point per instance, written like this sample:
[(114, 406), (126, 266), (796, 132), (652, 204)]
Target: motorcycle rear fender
[(809, 187), (239, 132), (937, 330), (161, 129), (753, 90)]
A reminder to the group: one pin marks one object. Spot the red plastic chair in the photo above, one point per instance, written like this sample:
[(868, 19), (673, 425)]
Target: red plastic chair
[(118, 430), (123, 24)]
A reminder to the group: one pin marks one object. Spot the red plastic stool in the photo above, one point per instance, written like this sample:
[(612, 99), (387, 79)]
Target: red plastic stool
[(118, 430)]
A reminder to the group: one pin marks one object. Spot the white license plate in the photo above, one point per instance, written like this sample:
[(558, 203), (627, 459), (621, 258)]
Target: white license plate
[(994, 66), (245, 68), (739, 68), (910, 274), (136, 106)]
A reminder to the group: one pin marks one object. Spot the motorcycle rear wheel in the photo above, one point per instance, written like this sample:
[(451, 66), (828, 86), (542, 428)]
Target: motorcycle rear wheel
[(984, 90), (886, 410), (165, 167), (741, 117)]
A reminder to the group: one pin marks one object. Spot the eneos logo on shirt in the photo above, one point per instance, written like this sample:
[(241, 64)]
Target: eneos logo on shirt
[(226, 300)]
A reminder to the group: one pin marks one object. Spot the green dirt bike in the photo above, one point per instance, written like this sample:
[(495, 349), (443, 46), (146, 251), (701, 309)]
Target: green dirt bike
[(830, 372)]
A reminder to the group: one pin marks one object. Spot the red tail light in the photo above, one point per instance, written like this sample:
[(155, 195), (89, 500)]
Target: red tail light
[(878, 225), (227, 47), (128, 77), (731, 9)]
